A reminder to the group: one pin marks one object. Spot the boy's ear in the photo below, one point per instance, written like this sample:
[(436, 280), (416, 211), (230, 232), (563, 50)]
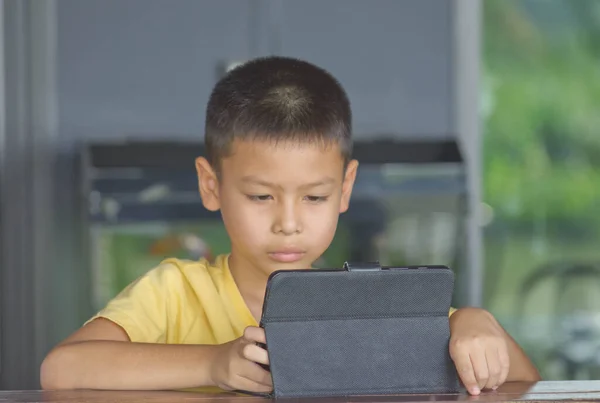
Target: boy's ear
[(208, 184), (348, 185)]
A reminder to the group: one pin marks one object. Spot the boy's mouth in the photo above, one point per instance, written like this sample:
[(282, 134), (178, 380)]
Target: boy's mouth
[(287, 255)]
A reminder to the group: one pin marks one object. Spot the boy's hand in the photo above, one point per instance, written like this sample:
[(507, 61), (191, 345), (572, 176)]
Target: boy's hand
[(235, 366), (479, 349)]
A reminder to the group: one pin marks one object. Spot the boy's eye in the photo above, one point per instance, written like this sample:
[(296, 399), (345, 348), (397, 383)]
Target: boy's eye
[(316, 199), (258, 197)]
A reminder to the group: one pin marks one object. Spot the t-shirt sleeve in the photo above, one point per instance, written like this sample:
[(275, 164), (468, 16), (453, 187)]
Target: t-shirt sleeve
[(141, 308), (452, 310)]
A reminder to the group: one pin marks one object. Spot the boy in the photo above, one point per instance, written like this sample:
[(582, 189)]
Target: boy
[(278, 167)]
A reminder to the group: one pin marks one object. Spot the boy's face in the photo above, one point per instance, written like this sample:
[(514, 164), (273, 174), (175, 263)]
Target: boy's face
[(280, 203)]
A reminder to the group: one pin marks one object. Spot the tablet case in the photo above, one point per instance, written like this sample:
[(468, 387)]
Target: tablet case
[(360, 330)]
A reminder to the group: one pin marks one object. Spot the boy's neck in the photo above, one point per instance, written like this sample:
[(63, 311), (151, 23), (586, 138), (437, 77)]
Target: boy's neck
[(251, 283)]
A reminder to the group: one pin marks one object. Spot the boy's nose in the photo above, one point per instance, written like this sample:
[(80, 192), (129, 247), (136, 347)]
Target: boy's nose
[(287, 221)]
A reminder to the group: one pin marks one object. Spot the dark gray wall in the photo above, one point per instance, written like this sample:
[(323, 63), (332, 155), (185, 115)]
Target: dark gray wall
[(144, 68), (392, 56)]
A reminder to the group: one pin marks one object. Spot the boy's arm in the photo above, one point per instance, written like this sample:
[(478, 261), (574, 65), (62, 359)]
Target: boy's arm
[(484, 353), (521, 367), (100, 356)]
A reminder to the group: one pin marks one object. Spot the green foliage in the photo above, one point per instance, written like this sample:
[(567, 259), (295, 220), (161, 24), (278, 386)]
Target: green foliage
[(542, 124)]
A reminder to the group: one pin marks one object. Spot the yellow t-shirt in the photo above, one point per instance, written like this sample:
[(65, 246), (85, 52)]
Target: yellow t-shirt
[(182, 302)]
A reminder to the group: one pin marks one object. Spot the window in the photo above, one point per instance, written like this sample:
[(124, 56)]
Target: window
[(541, 145)]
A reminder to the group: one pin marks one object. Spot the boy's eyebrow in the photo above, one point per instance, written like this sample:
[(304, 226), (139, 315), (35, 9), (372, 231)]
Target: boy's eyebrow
[(325, 181), (257, 181)]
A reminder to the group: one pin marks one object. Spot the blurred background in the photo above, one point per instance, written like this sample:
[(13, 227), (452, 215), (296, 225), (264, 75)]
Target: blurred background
[(476, 124)]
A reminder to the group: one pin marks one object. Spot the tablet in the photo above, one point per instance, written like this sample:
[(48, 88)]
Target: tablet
[(360, 330)]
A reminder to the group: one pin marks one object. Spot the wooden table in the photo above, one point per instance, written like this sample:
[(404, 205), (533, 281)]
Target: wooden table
[(542, 391)]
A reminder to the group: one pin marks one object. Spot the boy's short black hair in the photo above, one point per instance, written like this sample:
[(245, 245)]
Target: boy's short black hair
[(277, 99)]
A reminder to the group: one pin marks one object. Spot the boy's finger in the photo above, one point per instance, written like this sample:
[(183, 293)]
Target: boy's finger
[(494, 369), (254, 373), (480, 367), (466, 373), (504, 360), (256, 354), (263, 377), (249, 385), (255, 334)]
